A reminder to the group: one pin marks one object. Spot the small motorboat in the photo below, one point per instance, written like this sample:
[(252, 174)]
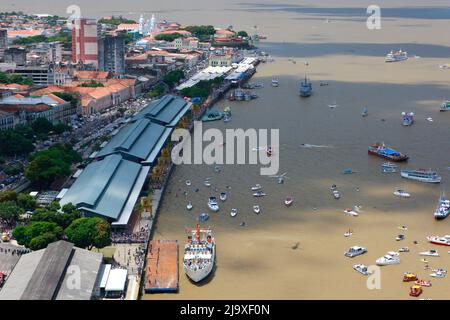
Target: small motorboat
[(423, 283), (415, 290), (203, 217), (430, 253), (259, 194), (403, 249), (269, 151), (189, 206), (333, 187), (227, 118), (355, 251), (212, 204), (208, 183), (233, 212), (256, 209), (361, 268), (402, 193), (256, 187), (348, 233), (223, 196), (390, 258), (365, 112), (288, 201), (400, 237), (409, 276), (336, 194), (438, 274), (351, 212), (188, 182), (348, 171)]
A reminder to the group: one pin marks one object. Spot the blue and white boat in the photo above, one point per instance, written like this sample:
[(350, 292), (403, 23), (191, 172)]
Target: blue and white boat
[(443, 209), (365, 112), (305, 88), (422, 175), (408, 118), (396, 56), (445, 106)]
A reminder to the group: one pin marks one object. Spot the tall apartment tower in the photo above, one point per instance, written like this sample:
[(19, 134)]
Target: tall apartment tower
[(85, 42), (3, 42), (112, 54)]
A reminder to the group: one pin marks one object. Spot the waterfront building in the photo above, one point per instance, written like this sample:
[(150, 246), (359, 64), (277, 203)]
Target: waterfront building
[(220, 60), (44, 274), (85, 42)]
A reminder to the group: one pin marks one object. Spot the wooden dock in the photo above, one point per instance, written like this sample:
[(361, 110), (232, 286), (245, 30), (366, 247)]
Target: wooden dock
[(162, 266)]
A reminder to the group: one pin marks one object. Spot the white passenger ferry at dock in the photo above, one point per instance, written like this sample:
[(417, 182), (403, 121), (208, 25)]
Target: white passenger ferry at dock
[(199, 253)]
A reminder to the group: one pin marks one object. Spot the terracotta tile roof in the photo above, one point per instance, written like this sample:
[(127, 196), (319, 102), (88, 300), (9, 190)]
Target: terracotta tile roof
[(91, 74)]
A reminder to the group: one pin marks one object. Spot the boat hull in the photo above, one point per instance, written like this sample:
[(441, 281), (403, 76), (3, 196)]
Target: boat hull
[(420, 179), (388, 157)]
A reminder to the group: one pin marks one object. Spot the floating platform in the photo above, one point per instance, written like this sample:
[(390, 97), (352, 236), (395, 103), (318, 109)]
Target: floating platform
[(162, 267)]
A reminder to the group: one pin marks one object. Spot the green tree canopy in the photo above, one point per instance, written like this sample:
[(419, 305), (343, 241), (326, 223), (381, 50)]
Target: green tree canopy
[(25, 234), (47, 165), (13, 143), (42, 126), (169, 37), (10, 212), (15, 78), (8, 195), (89, 232), (173, 77), (26, 202)]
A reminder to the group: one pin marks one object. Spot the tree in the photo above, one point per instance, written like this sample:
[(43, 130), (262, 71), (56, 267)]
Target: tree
[(47, 165), (169, 37), (51, 213), (42, 241), (8, 195), (10, 212), (26, 202), (173, 77), (91, 84), (201, 31), (25, 234), (42, 126), (89, 232), (13, 143)]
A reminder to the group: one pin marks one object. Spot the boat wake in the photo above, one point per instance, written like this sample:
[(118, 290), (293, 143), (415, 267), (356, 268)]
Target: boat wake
[(307, 145)]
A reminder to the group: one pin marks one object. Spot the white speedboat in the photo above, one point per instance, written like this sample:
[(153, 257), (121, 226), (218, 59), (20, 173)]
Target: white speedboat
[(259, 194), (188, 182), (443, 208), (401, 193), (438, 274), (233, 212), (390, 258), (275, 82), (422, 175), (403, 249), (361, 268), (189, 206), (207, 183), (256, 187), (351, 212), (443, 241), (336, 194), (256, 209), (223, 196), (288, 201), (199, 253), (348, 233), (212, 204), (430, 253)]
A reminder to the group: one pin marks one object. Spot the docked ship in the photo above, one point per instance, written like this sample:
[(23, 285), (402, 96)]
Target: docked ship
[(199, 253), (408, 118), (382, 151), (443, 209), (305, 88), (445, 106), (396, 56), (422, 175)]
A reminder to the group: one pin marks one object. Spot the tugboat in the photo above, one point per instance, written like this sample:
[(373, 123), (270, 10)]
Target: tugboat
[(422, 175), (443, 209), (305, 88), (199, 253), (445, 106), (396, 56), (382, 151), (408, 118)]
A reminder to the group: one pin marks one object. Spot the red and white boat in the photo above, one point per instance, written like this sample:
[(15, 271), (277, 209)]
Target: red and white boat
[(443, 241), (423, 283), (288, 201)]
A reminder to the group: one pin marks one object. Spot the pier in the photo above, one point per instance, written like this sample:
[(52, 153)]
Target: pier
[(162, 266)]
